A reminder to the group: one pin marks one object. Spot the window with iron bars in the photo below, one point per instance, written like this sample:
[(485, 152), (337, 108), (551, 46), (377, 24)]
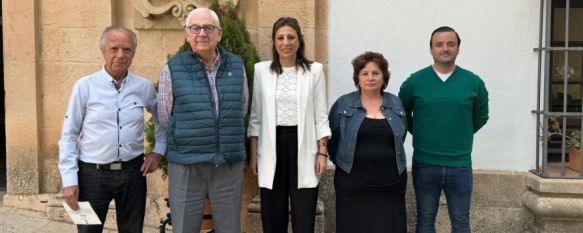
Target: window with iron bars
[(560, 89)]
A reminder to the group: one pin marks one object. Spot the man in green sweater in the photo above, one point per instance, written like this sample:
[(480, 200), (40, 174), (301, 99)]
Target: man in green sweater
[(445, 106)]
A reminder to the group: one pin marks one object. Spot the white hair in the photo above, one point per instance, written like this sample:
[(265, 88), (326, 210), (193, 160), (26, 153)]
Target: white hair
[(202, 10), (121, 28)]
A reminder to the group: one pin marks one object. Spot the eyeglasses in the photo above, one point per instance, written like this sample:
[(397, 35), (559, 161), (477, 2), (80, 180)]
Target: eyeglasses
[(195, 29)]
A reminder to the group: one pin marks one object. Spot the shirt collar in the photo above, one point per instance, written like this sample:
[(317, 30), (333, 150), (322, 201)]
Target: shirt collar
[(108, 78), (217, 60)]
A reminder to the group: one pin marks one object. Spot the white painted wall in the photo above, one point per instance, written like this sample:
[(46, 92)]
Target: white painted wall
[(498, 37)]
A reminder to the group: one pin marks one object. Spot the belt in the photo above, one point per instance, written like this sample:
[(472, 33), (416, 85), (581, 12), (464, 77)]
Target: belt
[(114, 166)]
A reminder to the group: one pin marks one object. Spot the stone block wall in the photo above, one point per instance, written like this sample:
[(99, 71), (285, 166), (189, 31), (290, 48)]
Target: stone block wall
[(49, 45), (557, 204), (311, 14)]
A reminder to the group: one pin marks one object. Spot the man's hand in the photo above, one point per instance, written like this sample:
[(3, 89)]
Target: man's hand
[(321, 163), (71, 194), (151, 163)]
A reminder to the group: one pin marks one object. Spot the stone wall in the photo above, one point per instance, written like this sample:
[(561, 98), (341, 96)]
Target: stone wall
[(311, 14), (23, 105), (557, 204), (49, 45)]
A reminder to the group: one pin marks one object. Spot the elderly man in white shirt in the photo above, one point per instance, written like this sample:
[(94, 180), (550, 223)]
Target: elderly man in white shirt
[(101, 151)]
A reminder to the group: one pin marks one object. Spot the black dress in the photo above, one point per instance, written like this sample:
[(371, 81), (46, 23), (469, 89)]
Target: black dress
[(371, 199)]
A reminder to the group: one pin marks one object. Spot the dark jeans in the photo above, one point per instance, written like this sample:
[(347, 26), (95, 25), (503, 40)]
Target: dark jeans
[(274, 202), (456, 183), (127, 187)]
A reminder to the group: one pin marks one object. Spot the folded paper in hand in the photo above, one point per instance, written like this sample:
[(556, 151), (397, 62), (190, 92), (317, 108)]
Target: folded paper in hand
[(84, 216)]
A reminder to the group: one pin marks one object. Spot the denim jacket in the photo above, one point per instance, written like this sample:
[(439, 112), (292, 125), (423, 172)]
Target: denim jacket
[(345, 118)]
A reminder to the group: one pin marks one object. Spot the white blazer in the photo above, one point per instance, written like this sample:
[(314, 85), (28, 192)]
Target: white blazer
[(312, 121)]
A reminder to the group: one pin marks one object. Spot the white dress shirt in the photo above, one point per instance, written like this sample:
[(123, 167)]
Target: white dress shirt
[(103, 124)]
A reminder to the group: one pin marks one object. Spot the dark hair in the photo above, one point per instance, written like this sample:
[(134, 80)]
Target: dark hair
[(444, 29), (359, 62), (301, 60)]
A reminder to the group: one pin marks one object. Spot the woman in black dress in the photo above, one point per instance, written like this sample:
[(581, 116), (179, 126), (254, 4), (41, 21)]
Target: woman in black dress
[(368, 130)]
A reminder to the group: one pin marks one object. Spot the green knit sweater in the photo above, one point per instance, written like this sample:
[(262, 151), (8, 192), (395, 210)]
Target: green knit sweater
[(443, 116)]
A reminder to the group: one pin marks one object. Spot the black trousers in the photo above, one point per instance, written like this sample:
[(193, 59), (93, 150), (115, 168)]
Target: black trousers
[(127, 187), (274, 202)]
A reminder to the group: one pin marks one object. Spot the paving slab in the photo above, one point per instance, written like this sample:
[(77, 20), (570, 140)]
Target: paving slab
[(14, 220)]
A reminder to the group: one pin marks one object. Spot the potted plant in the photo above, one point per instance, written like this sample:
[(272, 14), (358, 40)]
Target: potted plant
[(574, 150)]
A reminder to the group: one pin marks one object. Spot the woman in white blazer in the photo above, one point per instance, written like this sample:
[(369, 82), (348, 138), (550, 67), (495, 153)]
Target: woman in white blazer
[(288, 131)]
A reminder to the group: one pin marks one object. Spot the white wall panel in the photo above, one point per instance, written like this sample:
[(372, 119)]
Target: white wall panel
[(498, 38)]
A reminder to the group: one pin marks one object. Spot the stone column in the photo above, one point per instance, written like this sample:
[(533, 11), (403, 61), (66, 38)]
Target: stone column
[(22, 95), (48, 45), (556, 203)]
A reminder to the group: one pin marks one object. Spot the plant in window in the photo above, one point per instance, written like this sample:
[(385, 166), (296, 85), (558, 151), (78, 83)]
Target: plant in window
[(554, 126), (575, 140), (574, 150)]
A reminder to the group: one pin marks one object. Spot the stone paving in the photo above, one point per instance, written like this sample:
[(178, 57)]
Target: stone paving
[(14, 220), (22, 221)]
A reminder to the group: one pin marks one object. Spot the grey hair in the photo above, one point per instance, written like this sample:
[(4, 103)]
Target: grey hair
[(111, 28), (200, 10)]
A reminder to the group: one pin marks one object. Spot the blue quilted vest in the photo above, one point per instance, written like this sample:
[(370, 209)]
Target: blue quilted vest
[(195, 133)]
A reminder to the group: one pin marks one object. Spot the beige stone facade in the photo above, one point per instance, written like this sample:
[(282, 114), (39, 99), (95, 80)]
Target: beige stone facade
[(50, 44)]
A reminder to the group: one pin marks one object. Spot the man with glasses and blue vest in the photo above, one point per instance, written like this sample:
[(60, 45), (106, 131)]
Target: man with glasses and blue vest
[(202, 105)]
